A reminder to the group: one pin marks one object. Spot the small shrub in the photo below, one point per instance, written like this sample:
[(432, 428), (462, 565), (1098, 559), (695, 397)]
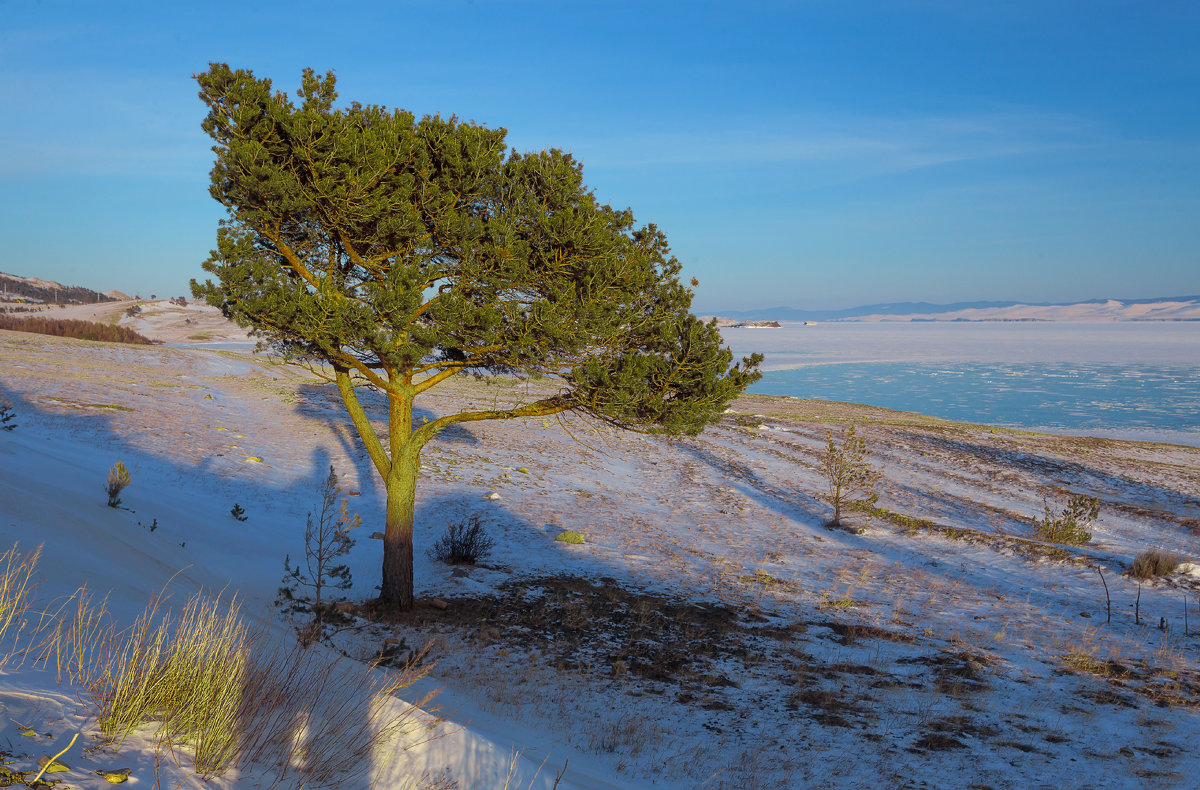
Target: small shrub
[(238, 512), (462, 544), (1154, 562), (7, 415), (569, 536), (118, 479), (1071, 525), (848, 474), (134, 311)]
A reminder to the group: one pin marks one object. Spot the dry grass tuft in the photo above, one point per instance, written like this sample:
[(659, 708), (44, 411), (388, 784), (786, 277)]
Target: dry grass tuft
[(1089, 663), (200, 679), (315, 717), (16, 598), (185, 672), (77, 635), (1154, 562), (235, 700)]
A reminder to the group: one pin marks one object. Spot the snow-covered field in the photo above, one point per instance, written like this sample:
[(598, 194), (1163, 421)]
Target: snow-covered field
[(711, 632), (192, 323)]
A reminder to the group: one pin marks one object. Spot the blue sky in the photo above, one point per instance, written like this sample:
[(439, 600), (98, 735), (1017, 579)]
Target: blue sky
[(809, 154)]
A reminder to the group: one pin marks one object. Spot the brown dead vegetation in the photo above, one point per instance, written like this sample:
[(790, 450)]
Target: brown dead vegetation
[(79, 330)]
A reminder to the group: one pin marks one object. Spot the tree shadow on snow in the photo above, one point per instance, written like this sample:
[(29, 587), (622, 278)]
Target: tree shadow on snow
[(1071, 475), (792, 503), (196, 543)]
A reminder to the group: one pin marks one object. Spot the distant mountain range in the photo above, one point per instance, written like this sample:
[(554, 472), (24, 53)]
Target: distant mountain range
[(31, 289), (1176, 308), (14, 288)]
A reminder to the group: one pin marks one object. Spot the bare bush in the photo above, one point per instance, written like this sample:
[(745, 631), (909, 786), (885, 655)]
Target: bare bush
[(463, 544)]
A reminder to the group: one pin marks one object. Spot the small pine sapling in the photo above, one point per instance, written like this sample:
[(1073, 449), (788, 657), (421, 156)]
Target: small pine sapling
[(238, 512), (7, 415), (312, 586), (848, 474), (118, 479), (1072, 524)]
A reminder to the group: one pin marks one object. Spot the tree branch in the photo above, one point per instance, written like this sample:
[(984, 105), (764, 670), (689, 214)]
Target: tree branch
[(539, 408), (354, 408), (437, 378)]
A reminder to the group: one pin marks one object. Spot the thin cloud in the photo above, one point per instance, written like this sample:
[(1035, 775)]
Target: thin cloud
[(867, 145)]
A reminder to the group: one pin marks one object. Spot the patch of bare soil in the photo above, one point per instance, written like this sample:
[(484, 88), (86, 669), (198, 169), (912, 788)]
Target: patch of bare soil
[(1168, 682), (955, 673), (659, 644), (947, 732), (574, 623)]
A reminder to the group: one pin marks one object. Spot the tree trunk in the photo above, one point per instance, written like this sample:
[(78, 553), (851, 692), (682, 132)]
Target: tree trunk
[(397, 589)]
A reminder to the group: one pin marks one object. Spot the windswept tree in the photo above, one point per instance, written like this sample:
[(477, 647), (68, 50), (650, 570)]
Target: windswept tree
[(398, 253)]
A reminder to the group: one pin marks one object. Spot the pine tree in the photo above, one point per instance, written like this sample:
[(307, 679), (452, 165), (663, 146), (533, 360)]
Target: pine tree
[(849, 476), (313, 586), (395, 253), (118, 479)]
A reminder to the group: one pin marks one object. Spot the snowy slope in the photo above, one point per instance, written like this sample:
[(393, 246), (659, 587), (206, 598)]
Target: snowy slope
[(711, 632)]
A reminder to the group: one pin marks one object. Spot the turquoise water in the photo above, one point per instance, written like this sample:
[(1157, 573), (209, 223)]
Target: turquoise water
[(1080, 398), (1138, 381)]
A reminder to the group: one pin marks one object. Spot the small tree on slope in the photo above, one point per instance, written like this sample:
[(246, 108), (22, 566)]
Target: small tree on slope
[(402, 253), (849, 476), (7, 415), (326, 543)]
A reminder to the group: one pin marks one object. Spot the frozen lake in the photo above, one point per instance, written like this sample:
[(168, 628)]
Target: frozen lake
[(1122, 380)]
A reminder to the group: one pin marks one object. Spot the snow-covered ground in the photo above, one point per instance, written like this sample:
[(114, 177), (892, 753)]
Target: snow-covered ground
[(711, 632), (193, 323)]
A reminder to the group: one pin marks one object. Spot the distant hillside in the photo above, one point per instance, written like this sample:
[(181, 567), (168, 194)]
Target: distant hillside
[(14, 288), (1177, 308)]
